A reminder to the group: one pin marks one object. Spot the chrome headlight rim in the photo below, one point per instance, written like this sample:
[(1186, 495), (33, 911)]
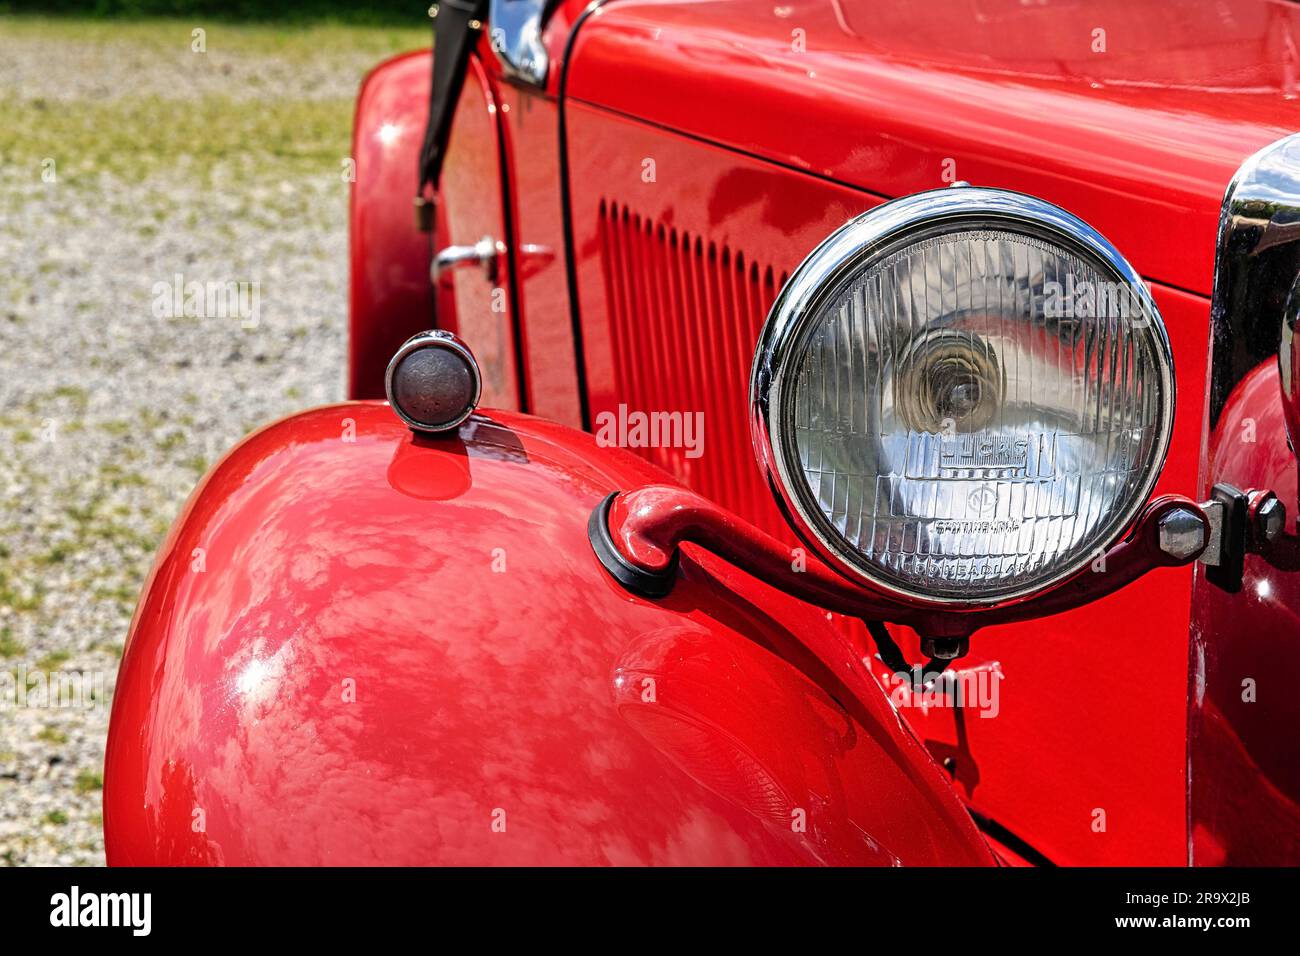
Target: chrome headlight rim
[(844, 255)]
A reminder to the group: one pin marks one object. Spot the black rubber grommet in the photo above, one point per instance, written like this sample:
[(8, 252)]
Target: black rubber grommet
[(636, 580)]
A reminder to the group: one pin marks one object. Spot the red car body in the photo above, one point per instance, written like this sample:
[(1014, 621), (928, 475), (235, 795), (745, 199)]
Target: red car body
[(652, 196)]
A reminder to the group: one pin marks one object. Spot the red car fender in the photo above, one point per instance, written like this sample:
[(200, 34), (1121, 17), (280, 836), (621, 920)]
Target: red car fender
[(390, 297), (360, 647)]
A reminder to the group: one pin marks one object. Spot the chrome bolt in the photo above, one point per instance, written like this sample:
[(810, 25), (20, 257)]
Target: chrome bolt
[(1182, 534), (1270, 518)]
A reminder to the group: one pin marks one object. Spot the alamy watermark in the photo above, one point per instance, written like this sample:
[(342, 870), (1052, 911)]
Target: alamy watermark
[(133, 911), (52, 690), (1089, 299), (637, 429), (976, 689), (194, 299)]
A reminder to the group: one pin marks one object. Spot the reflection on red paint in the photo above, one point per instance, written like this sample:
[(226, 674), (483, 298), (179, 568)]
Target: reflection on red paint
[(383, 656)]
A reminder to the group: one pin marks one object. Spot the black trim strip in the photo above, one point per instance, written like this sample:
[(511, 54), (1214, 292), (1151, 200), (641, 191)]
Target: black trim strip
[(455, 35), (512, 278), (1008, 839), (566, 211)]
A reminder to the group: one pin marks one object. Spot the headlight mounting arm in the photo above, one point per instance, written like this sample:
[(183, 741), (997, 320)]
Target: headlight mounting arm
[(638, 534)]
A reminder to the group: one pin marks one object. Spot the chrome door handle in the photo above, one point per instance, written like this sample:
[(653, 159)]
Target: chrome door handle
[(485, 253)]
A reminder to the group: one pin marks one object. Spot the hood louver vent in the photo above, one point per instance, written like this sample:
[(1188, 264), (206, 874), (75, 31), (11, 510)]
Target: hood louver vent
[(684, 316)]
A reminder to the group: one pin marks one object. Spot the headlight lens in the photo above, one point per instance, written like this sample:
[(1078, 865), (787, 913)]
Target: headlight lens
[(963, 396)]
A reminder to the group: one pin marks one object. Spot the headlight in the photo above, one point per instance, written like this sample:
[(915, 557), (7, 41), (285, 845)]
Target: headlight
[(961, 397)]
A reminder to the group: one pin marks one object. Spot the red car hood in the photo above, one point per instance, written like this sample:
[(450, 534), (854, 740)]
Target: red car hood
[(1133, 115)]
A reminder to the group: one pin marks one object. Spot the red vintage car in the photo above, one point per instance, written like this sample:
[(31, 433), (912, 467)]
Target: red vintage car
[(793, 432)]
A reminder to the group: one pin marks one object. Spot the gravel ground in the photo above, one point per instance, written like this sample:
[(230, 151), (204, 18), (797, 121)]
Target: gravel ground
[(109, 410)]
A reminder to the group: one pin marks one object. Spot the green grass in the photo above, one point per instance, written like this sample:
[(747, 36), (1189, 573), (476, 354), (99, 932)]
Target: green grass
[(132, 136), (54, 660), (52, 735), (88, 782), (15, 598), (56, 555), (9, 645), (292, 40)]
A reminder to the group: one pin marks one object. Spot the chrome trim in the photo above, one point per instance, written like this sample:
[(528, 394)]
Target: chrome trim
[(1256, 271), (434, 338), (1182, 534), (1286, 348), (1216, 514), (515, 33), (844, 254), (485, 253)]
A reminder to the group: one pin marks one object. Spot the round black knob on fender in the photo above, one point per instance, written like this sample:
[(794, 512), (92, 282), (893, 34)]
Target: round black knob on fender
[(433, 382)]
